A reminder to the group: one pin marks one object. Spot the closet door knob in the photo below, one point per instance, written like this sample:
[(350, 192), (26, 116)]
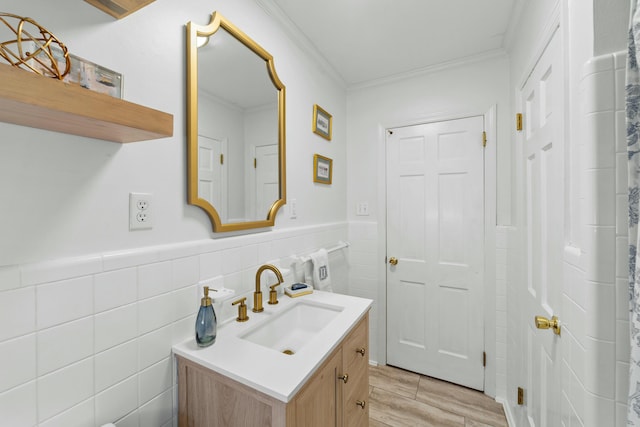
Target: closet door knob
[(544, 323), (344, 378), (393, 261)]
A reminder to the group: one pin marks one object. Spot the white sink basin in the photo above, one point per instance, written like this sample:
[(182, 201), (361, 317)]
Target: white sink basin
[(288, 331)]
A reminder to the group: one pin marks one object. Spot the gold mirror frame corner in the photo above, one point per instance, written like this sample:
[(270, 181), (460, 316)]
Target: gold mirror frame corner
[(193, 31)]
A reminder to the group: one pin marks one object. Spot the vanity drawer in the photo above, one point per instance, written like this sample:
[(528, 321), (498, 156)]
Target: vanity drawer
[(356, 347)]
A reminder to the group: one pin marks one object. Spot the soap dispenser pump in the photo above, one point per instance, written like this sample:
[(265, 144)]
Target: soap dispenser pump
[(206, 323)]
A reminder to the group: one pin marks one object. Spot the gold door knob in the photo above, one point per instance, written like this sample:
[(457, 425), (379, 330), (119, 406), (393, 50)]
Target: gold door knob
[(544, 323), (361, 403), (393, 261), (362, 351), (344, 378)]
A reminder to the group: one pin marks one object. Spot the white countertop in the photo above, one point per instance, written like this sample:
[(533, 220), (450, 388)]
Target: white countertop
[(267, 370)]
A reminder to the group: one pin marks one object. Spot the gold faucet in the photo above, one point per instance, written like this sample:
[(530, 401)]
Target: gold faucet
[(257, 295)]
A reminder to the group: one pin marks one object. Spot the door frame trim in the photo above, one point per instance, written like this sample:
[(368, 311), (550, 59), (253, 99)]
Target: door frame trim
[(490, 213)]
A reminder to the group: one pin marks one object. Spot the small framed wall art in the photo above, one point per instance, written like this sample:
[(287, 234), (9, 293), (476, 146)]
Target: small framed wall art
[(321, 122), (322, 169)]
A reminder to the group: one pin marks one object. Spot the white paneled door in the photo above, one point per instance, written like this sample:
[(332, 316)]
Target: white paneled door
[(543, 180), (267, 179), (435, 250), (212, 185)]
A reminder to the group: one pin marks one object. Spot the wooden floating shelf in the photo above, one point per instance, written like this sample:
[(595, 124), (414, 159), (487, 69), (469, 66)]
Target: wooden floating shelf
[(29, 99), (119, 8)]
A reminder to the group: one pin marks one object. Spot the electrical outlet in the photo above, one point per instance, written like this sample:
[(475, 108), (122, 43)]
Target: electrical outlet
[(140, 211)]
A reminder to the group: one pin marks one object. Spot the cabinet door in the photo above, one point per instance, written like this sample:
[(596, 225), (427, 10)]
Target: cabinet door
[(207, 398), (355, 359), (319, 403), (356, 409)]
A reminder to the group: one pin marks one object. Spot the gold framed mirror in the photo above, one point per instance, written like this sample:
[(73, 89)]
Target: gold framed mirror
[(235, 128)]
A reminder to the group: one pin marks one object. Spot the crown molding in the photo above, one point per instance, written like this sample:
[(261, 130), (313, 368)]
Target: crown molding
[(300, 39), (312, 52), (467, 60)]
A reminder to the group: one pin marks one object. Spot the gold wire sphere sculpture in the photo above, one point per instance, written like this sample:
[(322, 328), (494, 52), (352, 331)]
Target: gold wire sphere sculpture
[(33, 48)]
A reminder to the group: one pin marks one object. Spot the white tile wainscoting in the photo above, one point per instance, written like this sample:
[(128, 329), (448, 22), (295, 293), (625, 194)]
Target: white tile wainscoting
[(87, 340), (596, 295)]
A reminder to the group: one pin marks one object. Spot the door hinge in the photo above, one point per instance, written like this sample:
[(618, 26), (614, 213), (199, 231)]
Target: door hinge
[(222, 159), (519, 121), (520, 396), (484, 359), (484, 139), (255, 163)]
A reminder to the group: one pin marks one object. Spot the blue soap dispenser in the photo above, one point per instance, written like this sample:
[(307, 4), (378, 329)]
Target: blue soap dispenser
[(206, 323)]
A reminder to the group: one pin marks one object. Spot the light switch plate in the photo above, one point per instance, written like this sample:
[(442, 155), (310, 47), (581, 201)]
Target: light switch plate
[(362, 209)]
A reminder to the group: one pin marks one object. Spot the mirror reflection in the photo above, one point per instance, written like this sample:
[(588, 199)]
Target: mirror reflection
[(236, 128)]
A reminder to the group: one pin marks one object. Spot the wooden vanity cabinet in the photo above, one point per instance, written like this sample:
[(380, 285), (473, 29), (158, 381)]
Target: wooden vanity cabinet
[(209, 399)]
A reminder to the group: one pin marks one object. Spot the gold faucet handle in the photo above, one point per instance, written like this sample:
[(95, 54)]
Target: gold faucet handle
[(242, 309), (273, 294)]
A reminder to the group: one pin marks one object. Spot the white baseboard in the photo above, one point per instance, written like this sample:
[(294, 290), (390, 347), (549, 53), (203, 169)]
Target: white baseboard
[(507, 412)]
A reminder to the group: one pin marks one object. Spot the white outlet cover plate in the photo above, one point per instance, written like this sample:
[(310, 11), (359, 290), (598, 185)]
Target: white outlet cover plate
[(140, 211)]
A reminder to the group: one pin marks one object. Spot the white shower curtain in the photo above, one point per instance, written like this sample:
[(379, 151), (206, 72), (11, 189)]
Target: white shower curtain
[(633, 151)]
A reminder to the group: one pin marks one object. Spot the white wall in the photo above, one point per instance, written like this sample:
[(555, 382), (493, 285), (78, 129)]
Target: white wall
[(458, 90), (88, 309), (611, 18), (68, 195)]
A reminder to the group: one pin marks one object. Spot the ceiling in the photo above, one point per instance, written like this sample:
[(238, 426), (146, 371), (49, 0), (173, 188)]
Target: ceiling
[(368, 40)]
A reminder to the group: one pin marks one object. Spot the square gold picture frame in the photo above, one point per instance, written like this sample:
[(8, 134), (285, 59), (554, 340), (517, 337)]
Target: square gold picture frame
[(322, 122), (322, 169)]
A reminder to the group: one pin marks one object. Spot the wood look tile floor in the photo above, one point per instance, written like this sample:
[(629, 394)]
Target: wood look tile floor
[(399, 398)]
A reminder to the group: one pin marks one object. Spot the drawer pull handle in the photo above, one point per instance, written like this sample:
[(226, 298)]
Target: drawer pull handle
[(361, 403), (344, 378), (362, 351)]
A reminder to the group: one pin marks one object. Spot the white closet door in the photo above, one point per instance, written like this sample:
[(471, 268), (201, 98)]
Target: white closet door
[(435, 231)]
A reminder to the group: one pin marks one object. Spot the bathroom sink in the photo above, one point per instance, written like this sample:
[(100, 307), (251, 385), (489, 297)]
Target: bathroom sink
[(289, 330)]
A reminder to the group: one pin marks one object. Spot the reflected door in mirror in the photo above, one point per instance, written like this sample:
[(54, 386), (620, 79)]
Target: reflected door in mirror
[(212, 182), (266, 172)]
